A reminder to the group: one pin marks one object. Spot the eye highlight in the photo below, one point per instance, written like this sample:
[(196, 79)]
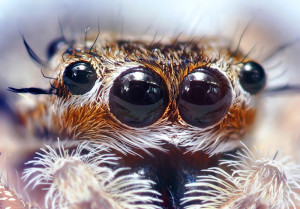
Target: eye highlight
[(204, 97), (252, 77), (79, 77), (138, 97)]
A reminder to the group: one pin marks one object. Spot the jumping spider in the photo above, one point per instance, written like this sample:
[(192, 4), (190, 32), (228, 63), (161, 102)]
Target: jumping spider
[(145, 124)]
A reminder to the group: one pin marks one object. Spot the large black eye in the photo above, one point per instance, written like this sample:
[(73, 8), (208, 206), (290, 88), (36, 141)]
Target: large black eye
[(79, 77), (204, 97), (252, 77), (138, 97), (55, 46)]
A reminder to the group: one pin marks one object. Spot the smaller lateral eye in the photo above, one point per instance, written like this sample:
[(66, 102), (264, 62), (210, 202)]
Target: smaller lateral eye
[(79, 77), (252, 77)]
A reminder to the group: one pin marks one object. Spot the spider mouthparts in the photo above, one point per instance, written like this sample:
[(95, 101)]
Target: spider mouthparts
[(171, 171)]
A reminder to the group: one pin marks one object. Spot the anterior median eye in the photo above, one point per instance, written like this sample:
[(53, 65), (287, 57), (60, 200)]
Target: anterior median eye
[(79, 77), (204, 97), (138, 97), (252, 77)]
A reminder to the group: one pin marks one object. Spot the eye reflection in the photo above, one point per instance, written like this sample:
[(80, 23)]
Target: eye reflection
[(138, 97), (204, 97), (79, 77), (252, 77)]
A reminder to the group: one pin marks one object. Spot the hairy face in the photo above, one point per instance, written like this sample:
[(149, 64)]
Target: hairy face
[(145, 94), (149, 124)]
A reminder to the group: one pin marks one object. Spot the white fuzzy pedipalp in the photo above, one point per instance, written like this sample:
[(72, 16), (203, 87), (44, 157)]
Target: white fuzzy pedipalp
[(80, 180), (255, 182)]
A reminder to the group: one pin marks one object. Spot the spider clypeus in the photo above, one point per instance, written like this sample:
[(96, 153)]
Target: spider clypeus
[(144, 124)]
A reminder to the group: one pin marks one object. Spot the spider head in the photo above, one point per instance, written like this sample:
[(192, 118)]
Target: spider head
[(136, 94)]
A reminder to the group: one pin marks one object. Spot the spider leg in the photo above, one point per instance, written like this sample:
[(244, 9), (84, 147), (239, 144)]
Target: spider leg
[(82, 178), (254, 182)]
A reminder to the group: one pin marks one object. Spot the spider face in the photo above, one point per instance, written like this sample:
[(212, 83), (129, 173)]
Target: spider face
[(174, 106), (169, 111), (140, 95)]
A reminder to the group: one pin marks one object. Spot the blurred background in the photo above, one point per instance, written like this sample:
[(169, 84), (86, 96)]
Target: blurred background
[(271, 24)]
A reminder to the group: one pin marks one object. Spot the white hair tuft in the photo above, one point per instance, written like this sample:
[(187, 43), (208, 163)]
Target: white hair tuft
[(84, 180), (255, 182)]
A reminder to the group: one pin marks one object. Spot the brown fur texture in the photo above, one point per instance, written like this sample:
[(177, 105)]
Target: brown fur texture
[(88, 117)]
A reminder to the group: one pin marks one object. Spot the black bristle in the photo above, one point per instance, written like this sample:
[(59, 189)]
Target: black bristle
[(30, 90), (46, 76), (32, 54), (96, 38)]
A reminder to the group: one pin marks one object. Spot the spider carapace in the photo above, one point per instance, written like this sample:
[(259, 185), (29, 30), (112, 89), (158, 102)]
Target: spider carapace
[(162, 114)]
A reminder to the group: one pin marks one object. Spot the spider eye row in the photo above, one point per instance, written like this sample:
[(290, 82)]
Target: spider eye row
[(140, 96)]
